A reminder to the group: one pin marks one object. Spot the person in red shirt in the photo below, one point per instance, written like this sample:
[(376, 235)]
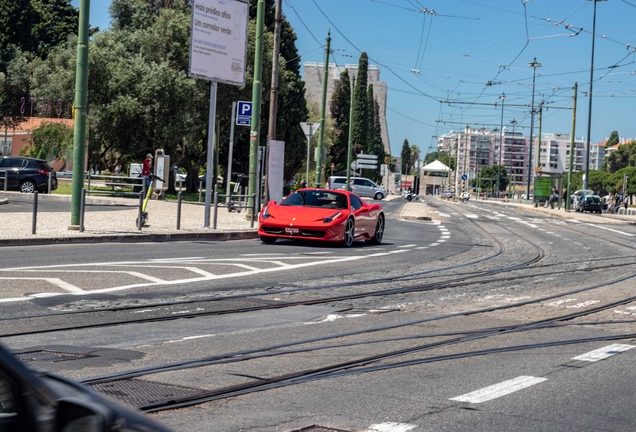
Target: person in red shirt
[(146, 170)]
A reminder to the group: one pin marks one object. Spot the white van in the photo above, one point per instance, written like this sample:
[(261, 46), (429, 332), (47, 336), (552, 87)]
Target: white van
[(361, 186)]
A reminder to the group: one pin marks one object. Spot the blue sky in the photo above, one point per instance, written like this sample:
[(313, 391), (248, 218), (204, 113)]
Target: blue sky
[(470, 52)]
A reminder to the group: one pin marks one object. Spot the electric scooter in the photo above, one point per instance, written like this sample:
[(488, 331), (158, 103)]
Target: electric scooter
[(231, 205), (144, 213)]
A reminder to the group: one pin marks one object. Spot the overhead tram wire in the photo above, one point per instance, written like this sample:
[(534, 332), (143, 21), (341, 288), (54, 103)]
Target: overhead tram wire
[(304, 25), (375, 61)]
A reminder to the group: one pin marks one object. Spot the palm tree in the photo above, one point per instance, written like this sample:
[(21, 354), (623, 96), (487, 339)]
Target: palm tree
[(415, 155)]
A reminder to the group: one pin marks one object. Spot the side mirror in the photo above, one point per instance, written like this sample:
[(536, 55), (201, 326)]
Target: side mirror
[(71, 416)]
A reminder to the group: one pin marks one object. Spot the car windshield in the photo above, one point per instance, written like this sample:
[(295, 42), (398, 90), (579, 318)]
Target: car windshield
[(316, 198)]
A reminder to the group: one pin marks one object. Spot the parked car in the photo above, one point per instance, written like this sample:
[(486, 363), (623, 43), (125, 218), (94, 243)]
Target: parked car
[(33, 401), (362, 187), (322, 214), (27, 174)]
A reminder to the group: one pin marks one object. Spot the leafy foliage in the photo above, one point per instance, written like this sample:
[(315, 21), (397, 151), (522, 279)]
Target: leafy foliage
[(51, 141), (340, 109), (360, 105), (487, 179), (624, 156), (406, 157)]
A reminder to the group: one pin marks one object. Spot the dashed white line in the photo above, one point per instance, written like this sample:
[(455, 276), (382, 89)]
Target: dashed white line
[(603, 353), (407, 246), (498, 390), (391, 427)]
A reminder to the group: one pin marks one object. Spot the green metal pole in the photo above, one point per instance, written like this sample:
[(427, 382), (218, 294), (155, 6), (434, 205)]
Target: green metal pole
[(567, 198), (79, 135), (256, 103), (321, 132), (350, 143), (539, 138)]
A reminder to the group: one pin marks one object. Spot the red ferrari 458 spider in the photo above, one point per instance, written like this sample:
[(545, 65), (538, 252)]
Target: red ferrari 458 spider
[(322, 214)]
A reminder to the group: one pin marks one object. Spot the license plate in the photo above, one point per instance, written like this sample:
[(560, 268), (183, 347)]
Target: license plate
[(291, 230)]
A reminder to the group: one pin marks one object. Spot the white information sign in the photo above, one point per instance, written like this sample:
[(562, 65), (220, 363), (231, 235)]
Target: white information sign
[(218, 40), (275, 170)]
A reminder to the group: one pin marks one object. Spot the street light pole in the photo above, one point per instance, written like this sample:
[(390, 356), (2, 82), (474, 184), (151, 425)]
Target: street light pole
[(503, 100), (589, 111), (513, 122), (534, 65)]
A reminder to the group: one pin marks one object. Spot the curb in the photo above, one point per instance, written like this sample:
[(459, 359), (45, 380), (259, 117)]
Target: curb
[(133, 238)]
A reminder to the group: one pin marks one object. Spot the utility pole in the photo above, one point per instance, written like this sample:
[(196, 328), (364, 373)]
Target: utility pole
[(79, 135), (539, 169), (254, 184), (567, 198), (350, 143), (273, 98), (456, 165), (321, 133), (501, 142)]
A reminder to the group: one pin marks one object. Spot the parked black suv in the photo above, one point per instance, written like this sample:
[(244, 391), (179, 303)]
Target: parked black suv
[(27, 174)]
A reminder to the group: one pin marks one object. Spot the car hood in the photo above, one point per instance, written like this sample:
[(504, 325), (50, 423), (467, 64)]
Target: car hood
[(301, 214)]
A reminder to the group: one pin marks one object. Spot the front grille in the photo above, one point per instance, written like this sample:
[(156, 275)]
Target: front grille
[(312, 233), (270, 230)]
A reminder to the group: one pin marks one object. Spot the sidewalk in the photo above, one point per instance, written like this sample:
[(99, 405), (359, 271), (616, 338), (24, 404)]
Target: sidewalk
[(118, 225)]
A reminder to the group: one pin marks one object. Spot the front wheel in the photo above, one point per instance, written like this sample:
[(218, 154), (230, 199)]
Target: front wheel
[(349, 233), (379, 231), (378, 196)]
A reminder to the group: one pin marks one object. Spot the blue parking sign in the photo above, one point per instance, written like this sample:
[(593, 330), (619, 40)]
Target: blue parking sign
[(244, 114), (464, 177)]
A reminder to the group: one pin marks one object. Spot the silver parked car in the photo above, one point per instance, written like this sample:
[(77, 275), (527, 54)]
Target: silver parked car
[(363, 187)]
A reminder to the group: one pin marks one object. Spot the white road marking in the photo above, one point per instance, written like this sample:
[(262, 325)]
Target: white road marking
[(390, 427), (407, 246), (584, 304), (333, 317), (443, 214), (434, 244), (472, 216), (514, 218), (441, 240), (560, 302), (422, 247), (498, 390), (603, 353), (53, 281), (610, 229)]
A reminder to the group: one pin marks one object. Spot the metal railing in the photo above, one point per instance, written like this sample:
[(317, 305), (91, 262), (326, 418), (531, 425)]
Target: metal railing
[(231, 204)]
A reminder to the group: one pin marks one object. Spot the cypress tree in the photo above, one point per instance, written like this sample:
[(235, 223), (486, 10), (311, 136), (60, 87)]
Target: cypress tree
[(360, 105), (406, 157), (340, 106)]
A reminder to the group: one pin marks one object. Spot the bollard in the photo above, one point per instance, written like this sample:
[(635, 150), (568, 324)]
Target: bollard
[(89, 183), (82, 209), (200, 189), (253, 210), (6, 180), (216, 206), (179, 209), (35, 212), (141, 205), (50, 179)]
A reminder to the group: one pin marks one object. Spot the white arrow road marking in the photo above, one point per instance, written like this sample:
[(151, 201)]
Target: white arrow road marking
[(603, 353), (498, 390)]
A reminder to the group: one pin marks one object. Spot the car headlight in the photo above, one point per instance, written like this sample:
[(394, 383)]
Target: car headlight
[(332, 217), (265, 214)]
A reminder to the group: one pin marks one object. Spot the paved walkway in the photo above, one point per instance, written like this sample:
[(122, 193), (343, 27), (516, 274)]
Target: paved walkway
[(118, 225)]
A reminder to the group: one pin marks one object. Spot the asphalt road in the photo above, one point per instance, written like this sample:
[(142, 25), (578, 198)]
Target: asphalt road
[(554, 268)]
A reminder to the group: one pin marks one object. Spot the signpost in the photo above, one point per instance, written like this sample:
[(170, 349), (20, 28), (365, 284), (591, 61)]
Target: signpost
[(218, 53), (244, 114), (366, 161), (310, 129)]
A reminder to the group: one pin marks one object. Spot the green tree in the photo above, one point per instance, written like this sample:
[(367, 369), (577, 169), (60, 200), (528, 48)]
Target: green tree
[(613, 139), (51, 141), (406, 157), (378, 144), (340, 110), (54, 22), (360, 105), (487, 180), (622, 157), (415, 155), (614, 183), (597, 181)]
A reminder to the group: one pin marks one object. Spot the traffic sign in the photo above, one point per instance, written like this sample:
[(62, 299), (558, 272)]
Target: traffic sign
[(309, 128), (244, 114), (367, 156), (361, 165), (464, 177)]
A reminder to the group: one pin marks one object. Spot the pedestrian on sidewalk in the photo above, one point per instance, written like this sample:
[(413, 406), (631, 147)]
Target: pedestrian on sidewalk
[(146, 170)]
